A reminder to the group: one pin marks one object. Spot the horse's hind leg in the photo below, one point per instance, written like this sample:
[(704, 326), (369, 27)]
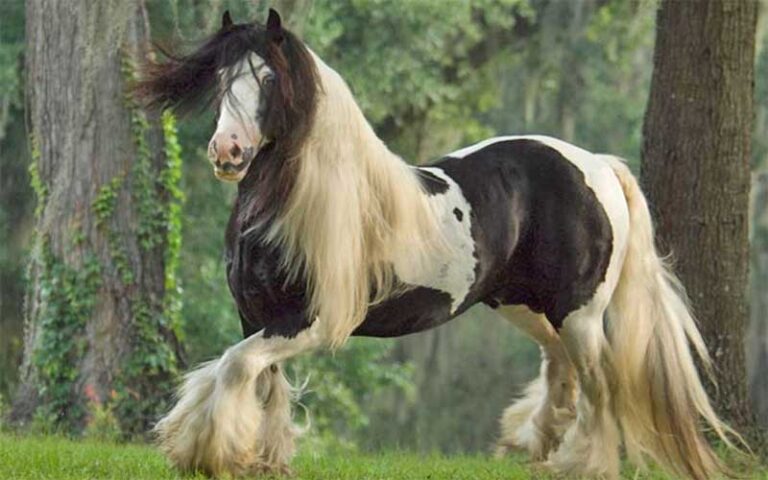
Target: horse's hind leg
[(233, 414), (590, 447), (537, 421)]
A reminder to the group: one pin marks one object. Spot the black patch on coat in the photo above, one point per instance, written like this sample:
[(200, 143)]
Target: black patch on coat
[(459, 214), (541, 235), (432, 184)]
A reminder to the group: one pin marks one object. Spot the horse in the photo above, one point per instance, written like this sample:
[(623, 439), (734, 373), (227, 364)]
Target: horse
[(333, 235)]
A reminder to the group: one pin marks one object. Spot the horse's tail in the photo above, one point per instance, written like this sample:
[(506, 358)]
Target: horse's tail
[(660, 398)]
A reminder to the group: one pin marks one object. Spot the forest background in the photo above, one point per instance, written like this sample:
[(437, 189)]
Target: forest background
[(431, 76)]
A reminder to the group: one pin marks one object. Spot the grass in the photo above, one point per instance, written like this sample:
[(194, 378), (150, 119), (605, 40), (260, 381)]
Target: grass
[(23, 458)]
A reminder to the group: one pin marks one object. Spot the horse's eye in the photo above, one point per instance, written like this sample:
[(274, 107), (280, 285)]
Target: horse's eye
[(268, 81)]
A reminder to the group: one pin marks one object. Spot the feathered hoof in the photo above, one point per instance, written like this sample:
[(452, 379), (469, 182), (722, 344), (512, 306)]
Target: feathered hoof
[(228, 425), (529, 438), (538, 434), (592, 455)]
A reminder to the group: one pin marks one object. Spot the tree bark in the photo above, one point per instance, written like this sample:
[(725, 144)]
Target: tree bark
[(695, 169), (100, 318)]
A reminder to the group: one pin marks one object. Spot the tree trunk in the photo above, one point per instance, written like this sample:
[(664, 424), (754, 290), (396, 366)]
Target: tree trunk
[(101, 310), (695, 168)]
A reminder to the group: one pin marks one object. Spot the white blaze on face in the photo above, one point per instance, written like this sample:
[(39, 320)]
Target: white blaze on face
[(238, 134)]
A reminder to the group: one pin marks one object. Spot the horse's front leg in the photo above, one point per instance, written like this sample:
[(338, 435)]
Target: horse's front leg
[(233, 414)]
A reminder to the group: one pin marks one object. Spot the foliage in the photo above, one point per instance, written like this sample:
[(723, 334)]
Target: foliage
[(427, 82), (67, 298), (38, 187), (339, 385), (16, 198), (583, 76), (150, 371), (170, 179), (103, 208), (100, 422), (11, 47), (104, 203)]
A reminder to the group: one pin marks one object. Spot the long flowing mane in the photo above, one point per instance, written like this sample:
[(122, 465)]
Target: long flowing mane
[(356, 211), (342, 209), (191, 82)]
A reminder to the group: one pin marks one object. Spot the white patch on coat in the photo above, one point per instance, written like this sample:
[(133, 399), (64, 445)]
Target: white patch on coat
[(454, 274)]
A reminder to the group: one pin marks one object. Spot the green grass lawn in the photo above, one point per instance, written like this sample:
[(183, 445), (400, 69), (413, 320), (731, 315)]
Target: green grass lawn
[(62, 459)]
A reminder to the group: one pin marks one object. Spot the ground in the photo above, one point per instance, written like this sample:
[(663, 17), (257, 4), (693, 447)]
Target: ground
[(23, 458)]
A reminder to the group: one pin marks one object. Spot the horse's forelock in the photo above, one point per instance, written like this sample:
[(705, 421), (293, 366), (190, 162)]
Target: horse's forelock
[(186, 83)]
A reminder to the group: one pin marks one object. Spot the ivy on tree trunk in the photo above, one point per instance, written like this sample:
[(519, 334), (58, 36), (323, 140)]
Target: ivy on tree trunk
[(102, 306)]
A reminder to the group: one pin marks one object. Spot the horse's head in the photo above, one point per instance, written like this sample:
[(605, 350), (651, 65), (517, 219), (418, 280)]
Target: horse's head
[(261, 79)]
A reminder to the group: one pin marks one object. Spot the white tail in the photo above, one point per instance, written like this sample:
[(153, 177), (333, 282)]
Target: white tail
[(660, 399)]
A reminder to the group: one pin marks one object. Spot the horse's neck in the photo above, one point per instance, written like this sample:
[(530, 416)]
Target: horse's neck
[(342, 134)]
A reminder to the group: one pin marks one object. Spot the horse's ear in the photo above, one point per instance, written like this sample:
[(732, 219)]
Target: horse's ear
[(226, 20), (274, 26)]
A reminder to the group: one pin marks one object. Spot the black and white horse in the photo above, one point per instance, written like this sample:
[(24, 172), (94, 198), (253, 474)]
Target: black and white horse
[(333, 235)]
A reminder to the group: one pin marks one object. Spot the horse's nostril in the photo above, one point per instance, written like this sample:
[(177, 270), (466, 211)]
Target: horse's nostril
[(235, 151)]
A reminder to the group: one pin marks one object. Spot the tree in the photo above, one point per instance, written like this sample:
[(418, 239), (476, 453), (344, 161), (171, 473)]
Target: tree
[(695, 167), (101, 308)]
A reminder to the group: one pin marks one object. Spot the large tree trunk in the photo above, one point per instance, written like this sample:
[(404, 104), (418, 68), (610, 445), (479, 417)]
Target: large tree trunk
[(100, 313), (695, 168)]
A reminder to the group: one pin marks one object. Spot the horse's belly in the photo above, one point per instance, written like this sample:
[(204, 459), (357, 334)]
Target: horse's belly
[(420, 308)]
